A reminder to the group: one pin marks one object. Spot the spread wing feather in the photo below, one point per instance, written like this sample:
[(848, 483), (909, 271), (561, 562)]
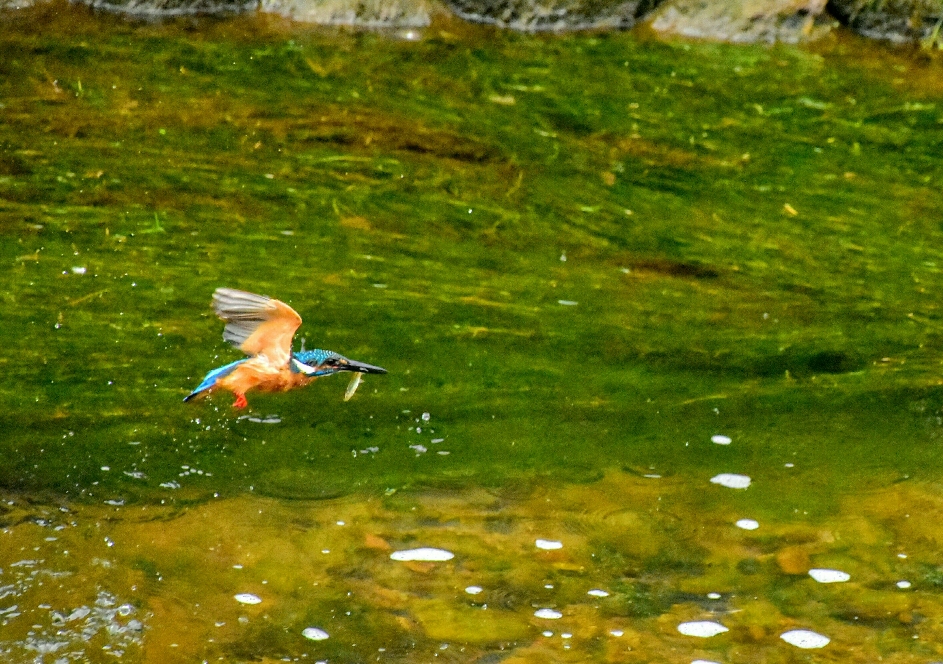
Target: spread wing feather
[(256, 324)]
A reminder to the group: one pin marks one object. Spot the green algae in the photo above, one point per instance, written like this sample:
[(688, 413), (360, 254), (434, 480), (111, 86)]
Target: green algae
[(577, 255)]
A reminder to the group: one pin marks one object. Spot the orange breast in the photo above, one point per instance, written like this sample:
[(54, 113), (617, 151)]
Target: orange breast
[(258, 374)]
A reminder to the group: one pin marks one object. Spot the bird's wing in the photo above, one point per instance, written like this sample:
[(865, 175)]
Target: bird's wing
[(256, 324)]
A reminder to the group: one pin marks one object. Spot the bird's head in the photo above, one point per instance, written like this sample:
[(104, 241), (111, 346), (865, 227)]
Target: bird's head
[(317, 363)]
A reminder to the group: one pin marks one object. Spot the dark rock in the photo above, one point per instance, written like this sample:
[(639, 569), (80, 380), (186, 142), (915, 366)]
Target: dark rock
[(899, 21), (169, 8), (554, 15)]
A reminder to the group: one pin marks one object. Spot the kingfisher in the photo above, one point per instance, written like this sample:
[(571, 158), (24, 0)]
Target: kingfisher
[(263, 328)]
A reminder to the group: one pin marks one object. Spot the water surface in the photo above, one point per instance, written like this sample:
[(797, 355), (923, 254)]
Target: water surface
[(582, 260)]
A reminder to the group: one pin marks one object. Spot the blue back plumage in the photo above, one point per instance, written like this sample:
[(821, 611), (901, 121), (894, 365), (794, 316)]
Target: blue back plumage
[(213, 376)]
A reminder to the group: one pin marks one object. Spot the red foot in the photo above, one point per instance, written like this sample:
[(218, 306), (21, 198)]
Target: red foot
[(240, 401)]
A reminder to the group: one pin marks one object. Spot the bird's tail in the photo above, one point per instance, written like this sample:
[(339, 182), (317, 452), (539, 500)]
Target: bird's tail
[(210, 381)]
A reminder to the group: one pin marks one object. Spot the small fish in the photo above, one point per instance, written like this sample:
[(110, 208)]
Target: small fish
[(353, 385)]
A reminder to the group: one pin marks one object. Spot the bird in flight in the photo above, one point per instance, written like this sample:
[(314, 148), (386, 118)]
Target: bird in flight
[(263, 328)]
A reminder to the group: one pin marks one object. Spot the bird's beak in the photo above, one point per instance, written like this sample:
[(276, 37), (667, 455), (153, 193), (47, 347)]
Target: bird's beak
[(361, 367)]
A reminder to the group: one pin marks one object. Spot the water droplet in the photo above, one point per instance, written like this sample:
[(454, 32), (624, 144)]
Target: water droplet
[(248, 598), (721, 439), (548, 545), (731, 480), (473, 590), (548, 614), (748, 524), (701, 628), (427, 554), (314, 633), (803, 638), (829, 575), (903, 585)]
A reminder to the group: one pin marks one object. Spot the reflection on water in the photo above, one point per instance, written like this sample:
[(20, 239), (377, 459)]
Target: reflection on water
[(637, 571)]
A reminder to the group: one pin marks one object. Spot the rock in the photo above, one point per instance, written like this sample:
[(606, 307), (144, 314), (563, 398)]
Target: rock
[(444, 621), (168, 8), (361, 13), (898, 21), (743, 21), (553, 15), (16, 4), (793, 560)]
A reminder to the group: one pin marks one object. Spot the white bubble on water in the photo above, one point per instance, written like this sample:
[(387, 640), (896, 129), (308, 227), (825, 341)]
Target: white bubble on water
[(548, 614), (248, 598), (425, 554), (829, 575), (721, 439), (548, 545), (747, 524), (702, 628), (314, 633), (804, 638), (596, 592), (473, 590), (731, 480), (903, 585), (616, 632), (410, 35), (713, 595)]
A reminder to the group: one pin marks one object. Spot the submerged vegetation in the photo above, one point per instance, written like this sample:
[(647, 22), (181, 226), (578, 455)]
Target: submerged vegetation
[(580, 259)]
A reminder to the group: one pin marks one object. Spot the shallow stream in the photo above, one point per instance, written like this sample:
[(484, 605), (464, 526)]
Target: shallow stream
[(662, 323)]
